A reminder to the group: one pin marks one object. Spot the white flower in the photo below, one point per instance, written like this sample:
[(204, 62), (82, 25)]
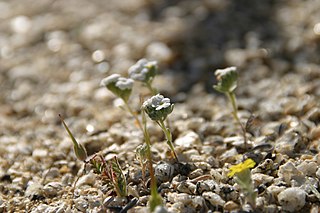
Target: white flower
[(143, 70), (124, 83), (158, 107), (110, 79), (118, 85), (158, 102), (222, 72)]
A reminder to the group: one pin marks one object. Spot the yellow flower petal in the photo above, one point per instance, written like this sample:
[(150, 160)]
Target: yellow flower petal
[(247, 164)]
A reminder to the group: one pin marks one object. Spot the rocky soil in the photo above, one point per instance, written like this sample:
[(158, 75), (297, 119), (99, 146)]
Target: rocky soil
[(54, 53)]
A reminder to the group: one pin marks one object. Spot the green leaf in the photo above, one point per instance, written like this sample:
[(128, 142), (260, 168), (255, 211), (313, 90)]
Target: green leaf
[(118, 178), (79, 150)]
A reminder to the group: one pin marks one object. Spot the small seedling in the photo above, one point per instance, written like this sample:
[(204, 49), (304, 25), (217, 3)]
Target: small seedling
[(112, 173), (118, 179), (79, 150), (158, 108), (144, 71), (227, 83), (141, 155), (242, 176)]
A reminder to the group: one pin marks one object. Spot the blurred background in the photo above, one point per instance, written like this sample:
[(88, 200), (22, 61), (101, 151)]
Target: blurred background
[(53, 53)]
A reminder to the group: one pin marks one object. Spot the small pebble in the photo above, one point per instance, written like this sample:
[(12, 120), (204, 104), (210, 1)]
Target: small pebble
[(186, 187), (160, 209), (195, 173), (52, 189), (88, 179), (81, 204), (308, 168), (213, 198), (292, 199), (34, 191), (231, 206), (164, 172), (188, 139)]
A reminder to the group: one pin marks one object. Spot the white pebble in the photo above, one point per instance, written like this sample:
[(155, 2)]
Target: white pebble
[(88, 179), (21, 24), (39, 153), (34, 190), (187, 140), (81, 204), (52, 189), (292, 199), (213, 198), (159, 51), (308, 168), (160, 209)]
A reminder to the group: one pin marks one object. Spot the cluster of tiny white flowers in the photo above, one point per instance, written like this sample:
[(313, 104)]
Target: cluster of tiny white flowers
[(158, 102), (222, 72), (110, 79), (120, 82), (140, 70), (124, 83)]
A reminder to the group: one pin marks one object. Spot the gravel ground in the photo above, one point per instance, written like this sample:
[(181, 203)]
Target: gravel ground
[(54, 53)]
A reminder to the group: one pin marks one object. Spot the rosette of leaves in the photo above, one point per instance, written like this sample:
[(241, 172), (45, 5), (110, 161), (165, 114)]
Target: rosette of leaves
[(112, 173)]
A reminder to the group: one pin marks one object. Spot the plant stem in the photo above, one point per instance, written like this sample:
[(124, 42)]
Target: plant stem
[(154, 188), (169, 138), (134, 115), (151, 89), (233, 101)]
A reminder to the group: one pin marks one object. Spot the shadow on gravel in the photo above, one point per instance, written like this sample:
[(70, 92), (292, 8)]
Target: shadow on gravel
[(240, 24)]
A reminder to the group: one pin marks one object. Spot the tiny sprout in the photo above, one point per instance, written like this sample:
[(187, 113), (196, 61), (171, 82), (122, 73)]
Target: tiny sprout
[(227, 83), (118, 178), (142, 156), (242, 176), (144, 71), (79, 150), (158, 108), (118, 85), (111, 172)]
